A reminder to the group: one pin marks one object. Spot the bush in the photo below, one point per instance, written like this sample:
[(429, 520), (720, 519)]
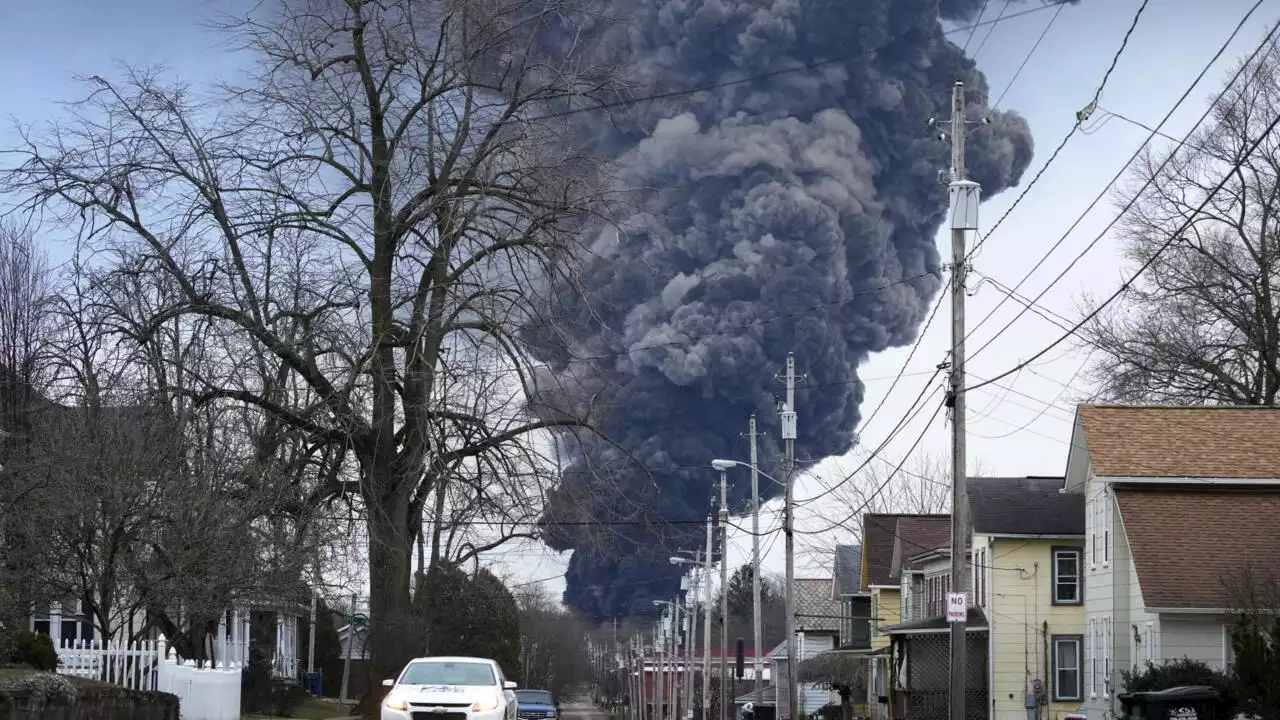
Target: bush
[(31, 649), (262, 694), (1180, 673)]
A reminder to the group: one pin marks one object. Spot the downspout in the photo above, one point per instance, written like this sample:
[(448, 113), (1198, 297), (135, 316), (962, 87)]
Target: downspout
[(1044, 637)]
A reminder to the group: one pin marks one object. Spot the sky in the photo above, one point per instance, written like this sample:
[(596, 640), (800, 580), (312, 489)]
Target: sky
[(1020, 426)]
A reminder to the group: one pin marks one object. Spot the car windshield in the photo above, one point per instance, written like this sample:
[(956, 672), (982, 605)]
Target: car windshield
[(534, 697), (448, 673)]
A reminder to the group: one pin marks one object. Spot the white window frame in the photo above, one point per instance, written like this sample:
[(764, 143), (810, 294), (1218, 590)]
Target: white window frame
[(1077, 641), (1093, 659), (1053, 584), (1091, 532), (1106, 657), (1228, 650), (1107, 512)]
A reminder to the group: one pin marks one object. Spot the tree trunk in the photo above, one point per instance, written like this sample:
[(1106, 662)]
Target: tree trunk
[(846, 703), (394, 635)]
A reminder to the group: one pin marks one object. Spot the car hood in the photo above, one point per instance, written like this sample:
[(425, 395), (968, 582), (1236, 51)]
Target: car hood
[(444, 695)]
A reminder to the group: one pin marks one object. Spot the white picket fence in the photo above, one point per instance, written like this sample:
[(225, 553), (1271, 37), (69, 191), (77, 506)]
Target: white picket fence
[(205, 693)]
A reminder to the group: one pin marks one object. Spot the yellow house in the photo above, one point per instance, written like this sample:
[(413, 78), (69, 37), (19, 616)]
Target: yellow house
[(1028, 546), (884, 538)]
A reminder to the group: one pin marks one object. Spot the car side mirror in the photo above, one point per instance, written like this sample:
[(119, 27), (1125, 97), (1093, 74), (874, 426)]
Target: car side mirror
[(509, 685), (388, 683)]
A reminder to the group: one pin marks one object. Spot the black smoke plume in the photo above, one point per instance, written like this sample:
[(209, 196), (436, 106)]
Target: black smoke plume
[(796, 212)]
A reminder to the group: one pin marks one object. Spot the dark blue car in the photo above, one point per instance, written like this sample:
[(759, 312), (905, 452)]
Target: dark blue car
[(536, 705)]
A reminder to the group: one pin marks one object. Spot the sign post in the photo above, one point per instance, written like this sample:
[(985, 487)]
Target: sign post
[(957, 607)]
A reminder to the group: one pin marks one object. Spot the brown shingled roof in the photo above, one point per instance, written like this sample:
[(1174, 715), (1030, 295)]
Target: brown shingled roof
[(878, 533), (1167, 441), (916, 535), (1189, 545)]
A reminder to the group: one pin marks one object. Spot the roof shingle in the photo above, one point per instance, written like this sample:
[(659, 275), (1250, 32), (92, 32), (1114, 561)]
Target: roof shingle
[(1024, 506), (916, 535), (1189, 545), (878, 533), (1166, 441)]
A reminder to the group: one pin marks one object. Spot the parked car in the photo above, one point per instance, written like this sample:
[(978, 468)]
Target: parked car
[(536, 705), (450, 688)]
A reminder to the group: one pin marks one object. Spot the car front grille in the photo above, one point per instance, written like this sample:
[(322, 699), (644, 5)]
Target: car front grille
[(428, 715), (537, 714)]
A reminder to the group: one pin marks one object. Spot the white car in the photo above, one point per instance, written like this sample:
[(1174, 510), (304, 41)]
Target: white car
[(450, 688)]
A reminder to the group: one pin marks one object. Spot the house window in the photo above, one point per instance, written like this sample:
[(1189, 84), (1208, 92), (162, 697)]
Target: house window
[(1091, 534), (1149, 641), (1228, 650), (980, 577), (1067, 667), (1093, 657), (1066, 576), (1106, 527), (1106, 657)]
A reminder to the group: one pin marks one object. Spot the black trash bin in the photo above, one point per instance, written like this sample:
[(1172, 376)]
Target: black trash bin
[(1189, 702)]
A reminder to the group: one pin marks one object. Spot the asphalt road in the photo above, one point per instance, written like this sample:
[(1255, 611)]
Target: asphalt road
[(580, 710)]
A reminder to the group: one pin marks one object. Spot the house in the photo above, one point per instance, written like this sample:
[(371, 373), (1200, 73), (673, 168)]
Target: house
[(271, 630), (844, 669), (854, 602), (920, 650), (1028, 545), (817, 631), (880, 580), (1180, 504)]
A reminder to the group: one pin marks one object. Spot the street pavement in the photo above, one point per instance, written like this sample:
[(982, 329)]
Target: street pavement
[(581, 710)]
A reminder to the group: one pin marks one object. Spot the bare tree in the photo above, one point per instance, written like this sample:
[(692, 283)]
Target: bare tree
[(1202, 325), (383, 190), (24, 329)]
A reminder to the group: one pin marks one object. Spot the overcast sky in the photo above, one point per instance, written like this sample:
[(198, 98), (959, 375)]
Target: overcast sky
[(1018, 428)]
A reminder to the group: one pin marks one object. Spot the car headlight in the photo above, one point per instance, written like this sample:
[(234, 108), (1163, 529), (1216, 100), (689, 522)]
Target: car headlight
[(395, 702), (485, 703)]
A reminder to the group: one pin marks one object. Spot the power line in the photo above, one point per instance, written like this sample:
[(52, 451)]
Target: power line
[(1027, 59), (1136, 195), (1080, 118), (886, 482), (776, 73), (1177, 234)]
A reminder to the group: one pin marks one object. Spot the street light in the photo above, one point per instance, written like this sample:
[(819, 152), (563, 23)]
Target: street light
[(691, 625), (757, 661)]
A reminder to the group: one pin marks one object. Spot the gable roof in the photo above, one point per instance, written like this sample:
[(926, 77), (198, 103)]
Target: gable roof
[(816, 610), (916, 535), (845, 570), (1189, 545), (878, 533), (1024, 506), (1210, 441)]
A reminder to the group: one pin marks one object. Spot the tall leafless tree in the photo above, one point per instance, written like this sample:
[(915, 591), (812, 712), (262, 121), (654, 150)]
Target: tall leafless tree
[(1202, 324), (392, 184), (25, 328)]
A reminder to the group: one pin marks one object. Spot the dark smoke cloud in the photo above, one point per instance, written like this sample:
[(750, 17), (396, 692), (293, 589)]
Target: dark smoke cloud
[(768, 198)]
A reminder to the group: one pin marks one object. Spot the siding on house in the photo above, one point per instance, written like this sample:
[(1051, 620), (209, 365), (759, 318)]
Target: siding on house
[(1198, 637), (886, 610), (1024, 621)]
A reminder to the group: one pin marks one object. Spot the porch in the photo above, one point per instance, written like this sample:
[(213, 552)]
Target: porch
[(920, 668)]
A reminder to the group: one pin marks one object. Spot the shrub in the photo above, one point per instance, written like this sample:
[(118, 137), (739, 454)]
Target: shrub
[(262, 694), (1180, 673), (47, 688), (32, 649)]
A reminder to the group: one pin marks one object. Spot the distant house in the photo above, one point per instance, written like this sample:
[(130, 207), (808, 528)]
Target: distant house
[(1180, 504), (855, 603), (1028, 544), (881, 580), (920, 658)]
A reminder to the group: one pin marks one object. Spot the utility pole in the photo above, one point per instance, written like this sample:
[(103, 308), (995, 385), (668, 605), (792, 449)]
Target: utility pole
[(724, 596), (691, 627), (706, 633), (964, 217), (756, 667), (788, 524)]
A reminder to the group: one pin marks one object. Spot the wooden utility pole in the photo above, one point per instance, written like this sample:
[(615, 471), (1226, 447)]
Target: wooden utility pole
[(964, 217)]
